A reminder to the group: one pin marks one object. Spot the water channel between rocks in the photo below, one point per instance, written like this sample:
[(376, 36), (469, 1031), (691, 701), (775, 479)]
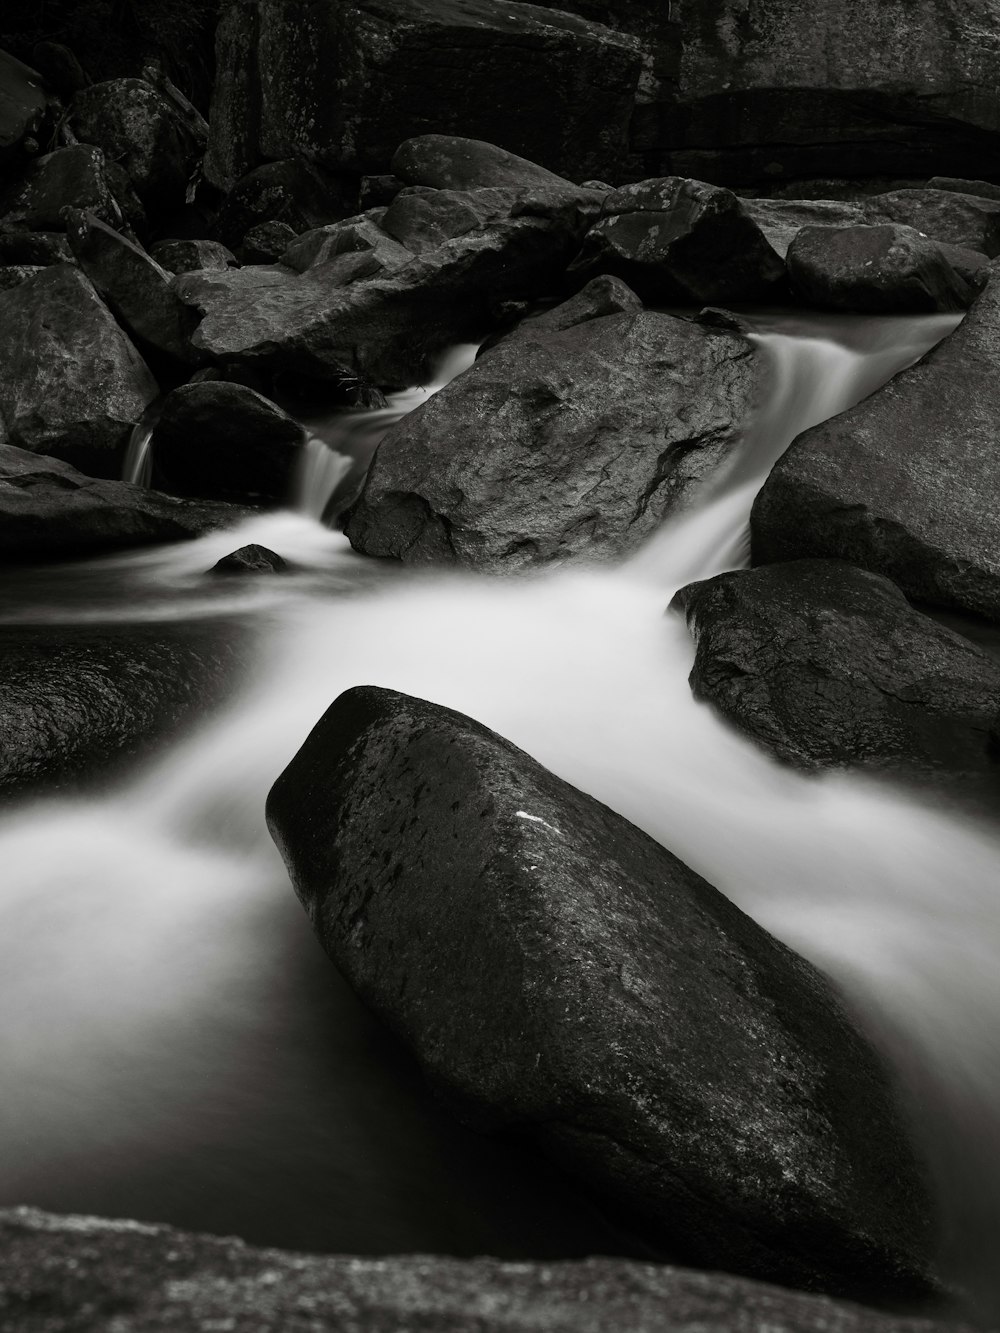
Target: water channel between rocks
[(178, 1049)]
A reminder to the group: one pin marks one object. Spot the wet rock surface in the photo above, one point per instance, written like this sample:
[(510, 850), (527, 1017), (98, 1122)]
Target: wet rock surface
[(71, 383), (903, 484), (131, 1277), (49, 511), (251, 559), (827, 665), (562, 977), (559, 444), (221, 441)]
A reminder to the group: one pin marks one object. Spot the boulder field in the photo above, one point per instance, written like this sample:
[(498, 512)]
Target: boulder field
[(563, 978)]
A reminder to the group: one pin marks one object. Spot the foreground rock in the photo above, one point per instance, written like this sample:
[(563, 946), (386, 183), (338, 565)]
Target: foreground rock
[(681, 240), (560, 443), (358, 301), (49, 511), (871, 269), (130, 1277), (221, 441), (252, 559), (71, 383), (904, 484), (76, 700), (585, 990), (827, 665), (276, 69)]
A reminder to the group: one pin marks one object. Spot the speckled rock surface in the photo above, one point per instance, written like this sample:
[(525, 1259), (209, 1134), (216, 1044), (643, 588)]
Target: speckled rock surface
[(61, 1274), (71, 383), (75, 177), (559, 444), (825, 664), (562, 977), (905, 483)]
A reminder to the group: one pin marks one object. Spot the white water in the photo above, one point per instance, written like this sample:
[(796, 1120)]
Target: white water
[(166, 993)]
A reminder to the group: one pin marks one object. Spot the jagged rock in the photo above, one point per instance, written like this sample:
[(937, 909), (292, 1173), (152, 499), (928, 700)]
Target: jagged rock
[(866, 269), (76, 700), (591, 994), (560, 443), (135, 288), (12, 275), (542, 83), (423, 219), (601, 296), (446, 162), (292, 192), (71, 383), (134, 1277), (49, 511), (74, 177), (357, 235), (904, 484), (189, 256), (145, 132), (373, 312), (828, 665), (681, 240), (37, 248), (251, 559), (266, 242), (23, 107), (956, 219), (782, 219), (774, 91), (222, 441)]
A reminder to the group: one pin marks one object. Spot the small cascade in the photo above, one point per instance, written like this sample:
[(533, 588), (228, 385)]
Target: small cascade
[(137, 468), (318, 477)]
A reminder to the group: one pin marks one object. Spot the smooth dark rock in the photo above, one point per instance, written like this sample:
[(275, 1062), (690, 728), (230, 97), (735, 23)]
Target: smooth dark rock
[(956, 219), (292, 191), (559, 444), (37, 248), (561, 976), (985, 189), (680, 240), (49, 511), (870, 269), (132, 1277), (135, 287), (827, 665), (266, 242), (23, 107), (251, 559), (377, 313), (75, 177), (447, 162), (905, 483), (378, 191), (71, 383), (75, 700), (191, 256), (143, 130), (541, 83), (221, 441)]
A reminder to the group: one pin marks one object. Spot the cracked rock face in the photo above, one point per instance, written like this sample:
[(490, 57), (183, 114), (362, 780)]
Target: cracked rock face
[(562, 977), (560, 443), (827, 665)]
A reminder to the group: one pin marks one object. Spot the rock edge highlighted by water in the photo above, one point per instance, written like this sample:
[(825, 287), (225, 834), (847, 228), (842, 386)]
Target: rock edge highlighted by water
[(562, 977), (130, 1277)]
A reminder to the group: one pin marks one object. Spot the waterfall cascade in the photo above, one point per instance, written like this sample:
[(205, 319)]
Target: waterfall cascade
[(184, 1054)]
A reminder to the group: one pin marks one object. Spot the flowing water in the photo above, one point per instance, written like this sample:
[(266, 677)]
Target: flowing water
[(177, 1048)]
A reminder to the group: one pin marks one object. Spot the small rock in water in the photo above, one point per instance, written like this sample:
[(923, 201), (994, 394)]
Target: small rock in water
[(252, 559)]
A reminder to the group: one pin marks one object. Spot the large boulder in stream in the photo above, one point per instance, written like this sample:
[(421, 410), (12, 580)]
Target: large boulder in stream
[(563, 978), (71, 383), (905, 483), (368, 304), (828, 665), (221, 441), (870, 269), (542, 83), (76, 700), (131, 1277), (562, 442), (680, 240), (49, 511)]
